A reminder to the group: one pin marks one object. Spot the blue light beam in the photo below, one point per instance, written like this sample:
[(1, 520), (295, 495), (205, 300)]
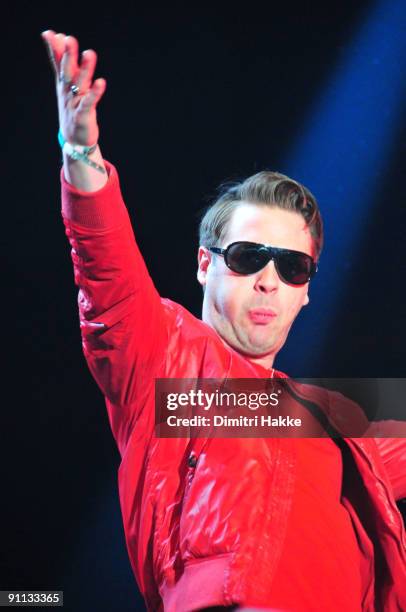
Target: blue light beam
[(342, 156)]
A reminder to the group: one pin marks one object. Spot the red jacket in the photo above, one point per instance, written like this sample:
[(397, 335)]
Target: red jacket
[(193, 523)]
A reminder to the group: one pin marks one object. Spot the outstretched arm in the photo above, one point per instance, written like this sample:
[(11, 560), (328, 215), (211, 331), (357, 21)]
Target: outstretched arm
[(121, 316)]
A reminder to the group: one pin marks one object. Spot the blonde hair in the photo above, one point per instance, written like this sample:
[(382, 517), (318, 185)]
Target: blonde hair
[(265, 188)]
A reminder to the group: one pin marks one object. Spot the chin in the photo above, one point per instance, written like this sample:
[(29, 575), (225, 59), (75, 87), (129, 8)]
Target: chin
[(255, 351)]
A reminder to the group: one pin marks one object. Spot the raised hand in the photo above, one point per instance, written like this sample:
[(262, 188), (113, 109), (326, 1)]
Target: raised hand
[(77, 93), (78, 96)]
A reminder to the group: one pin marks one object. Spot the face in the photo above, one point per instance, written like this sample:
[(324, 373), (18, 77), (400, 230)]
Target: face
[(254, 313)]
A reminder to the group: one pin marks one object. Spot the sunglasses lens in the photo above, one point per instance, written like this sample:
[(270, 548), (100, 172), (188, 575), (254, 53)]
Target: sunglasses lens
[(247, 258), (294, 268)]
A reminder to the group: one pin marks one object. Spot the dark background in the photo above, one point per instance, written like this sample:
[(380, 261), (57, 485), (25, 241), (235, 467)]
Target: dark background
[(195, 95)]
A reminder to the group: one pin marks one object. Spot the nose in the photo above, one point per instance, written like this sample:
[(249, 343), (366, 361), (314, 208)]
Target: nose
[(267, 279)]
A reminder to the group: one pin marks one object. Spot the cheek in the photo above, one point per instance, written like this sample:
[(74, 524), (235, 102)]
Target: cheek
[(229, 296), (293, 303)]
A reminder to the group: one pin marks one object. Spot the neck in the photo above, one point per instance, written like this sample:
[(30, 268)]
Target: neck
[(265, 361)]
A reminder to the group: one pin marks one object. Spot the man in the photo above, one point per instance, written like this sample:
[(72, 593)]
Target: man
[(287, 524)]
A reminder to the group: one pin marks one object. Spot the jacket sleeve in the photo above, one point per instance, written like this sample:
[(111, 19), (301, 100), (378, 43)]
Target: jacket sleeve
[(121, 315)]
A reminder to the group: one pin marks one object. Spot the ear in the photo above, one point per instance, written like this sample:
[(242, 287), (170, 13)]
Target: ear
[(203, 261)]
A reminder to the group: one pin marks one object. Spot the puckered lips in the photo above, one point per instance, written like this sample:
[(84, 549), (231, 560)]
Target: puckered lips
[(261, 316)]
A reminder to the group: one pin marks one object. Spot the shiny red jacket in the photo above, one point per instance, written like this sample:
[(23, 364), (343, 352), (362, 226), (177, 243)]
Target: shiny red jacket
[(194, 536)]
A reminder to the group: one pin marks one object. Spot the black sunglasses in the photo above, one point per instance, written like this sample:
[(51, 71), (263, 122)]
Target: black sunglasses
[(293, 267)]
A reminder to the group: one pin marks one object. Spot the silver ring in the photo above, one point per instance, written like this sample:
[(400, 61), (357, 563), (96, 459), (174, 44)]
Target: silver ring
[(74, 90)]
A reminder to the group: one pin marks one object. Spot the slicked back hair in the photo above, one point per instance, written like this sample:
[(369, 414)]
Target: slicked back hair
[(265, 188)]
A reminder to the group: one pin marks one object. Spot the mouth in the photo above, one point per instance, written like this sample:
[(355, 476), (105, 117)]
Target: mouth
[(261, 316)]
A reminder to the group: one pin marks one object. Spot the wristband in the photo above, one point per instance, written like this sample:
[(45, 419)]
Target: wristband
[(79, 152)]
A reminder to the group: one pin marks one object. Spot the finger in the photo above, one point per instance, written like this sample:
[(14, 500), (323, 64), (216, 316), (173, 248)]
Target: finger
[(69, 62), (92, 98), (86, 70), (48, 37), (59, 47), (56, 46)]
